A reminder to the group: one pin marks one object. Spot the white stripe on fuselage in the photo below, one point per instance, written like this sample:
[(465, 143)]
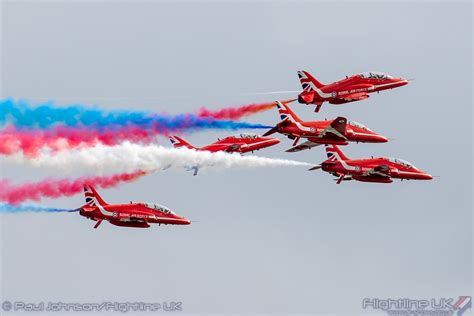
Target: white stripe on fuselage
[(139, 219), (386, 84), (103, 211), (401, 173), (329, 95), (344, 164), (363, 134), (319, 92), (300, 126), (249, 144), (260, 142), (96, 202)]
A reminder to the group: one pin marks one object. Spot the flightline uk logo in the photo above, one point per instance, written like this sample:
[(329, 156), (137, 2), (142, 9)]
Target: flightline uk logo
[(432, 307)]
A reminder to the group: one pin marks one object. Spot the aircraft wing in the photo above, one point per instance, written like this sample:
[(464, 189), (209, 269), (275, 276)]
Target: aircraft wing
[(336, 129), (137, 219), (229, 147), (233, 148), (379, 171), (355, 96), (342, 177), (130, 222), (303, 146)]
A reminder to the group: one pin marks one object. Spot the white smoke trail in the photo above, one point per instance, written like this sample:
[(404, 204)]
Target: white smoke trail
[(128, 157)]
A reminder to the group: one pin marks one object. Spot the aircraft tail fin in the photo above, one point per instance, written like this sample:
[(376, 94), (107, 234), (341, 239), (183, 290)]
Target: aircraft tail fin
[(178, 142), (287, 113), (334, 153), (92, 197), (308, 82)]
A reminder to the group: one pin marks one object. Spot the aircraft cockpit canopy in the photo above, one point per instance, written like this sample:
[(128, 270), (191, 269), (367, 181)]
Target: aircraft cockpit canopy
[(158, 207), (359, 125), (375, 75), (252, 136), (402, 162)]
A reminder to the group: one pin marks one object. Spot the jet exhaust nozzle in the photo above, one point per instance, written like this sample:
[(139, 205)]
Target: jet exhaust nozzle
[(301, 100), (270, 131)]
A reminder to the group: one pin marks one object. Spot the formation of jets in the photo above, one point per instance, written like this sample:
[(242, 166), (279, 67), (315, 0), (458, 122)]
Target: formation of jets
[(340, 131), (331, 133)]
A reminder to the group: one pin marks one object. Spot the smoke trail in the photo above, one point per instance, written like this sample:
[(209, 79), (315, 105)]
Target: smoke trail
[(53, 188), (30, 142), (22, 114), (128, 157), (235, 113), (23, 208)]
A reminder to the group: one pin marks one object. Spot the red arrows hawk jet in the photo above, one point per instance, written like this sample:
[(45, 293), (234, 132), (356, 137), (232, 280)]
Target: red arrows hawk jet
[(338, 131), (353, 88), (129, 215), (231, 144), (381, 170)]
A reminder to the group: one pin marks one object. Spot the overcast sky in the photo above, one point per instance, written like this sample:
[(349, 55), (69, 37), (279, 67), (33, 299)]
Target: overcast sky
[(268, 240)]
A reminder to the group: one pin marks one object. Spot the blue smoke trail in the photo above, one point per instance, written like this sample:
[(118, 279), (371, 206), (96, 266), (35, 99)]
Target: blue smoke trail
[(23, 114), (23, 208)]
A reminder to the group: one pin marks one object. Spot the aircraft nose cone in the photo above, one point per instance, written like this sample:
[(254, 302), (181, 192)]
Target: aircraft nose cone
[(402, 82), (186, 221), (426, 176), (275, 141), (381, 139), (421, 175)]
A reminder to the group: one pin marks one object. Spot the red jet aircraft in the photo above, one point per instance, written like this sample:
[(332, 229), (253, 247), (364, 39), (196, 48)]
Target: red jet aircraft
[(380, 170), (129, 215), (353, 88), (338, 131), (231, 144)]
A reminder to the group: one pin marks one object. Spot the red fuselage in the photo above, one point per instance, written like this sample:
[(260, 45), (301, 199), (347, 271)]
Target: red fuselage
[(375, 169), (242, 144), (313, 131), (351, 89), (133, 214)]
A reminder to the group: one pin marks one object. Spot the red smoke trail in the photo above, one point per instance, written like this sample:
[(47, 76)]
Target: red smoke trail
[(30, 142), (54, 188), (235, 113)]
